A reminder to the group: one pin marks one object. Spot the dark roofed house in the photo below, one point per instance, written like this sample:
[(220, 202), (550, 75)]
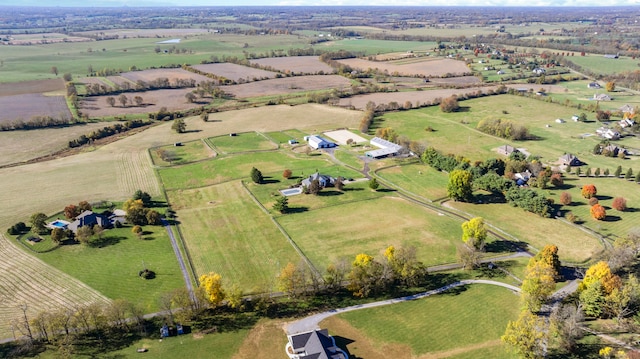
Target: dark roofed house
[(569, 160), (324, 180), (89, 218), (316, 344)]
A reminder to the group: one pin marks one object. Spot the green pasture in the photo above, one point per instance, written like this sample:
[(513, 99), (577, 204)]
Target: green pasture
[(456, 132), (331, 233), (352, 192), (226, 168), (417, 178), (574, 245), (242, 142), (349, 156), (577, 92), (458, 318), (113, 268), (599, 64), (226, 232), (616, 224), (283, 137), (186, 153)]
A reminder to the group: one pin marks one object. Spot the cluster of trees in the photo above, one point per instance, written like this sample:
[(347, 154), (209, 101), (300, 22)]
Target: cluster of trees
[(138, 211), (107, 131), (367, 117), (450, 104), (97, 89), (504, 129), (179, 125), (37, 122), (17, 228)]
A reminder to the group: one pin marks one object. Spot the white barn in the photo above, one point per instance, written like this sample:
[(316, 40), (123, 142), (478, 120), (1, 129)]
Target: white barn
[(319, 142), (386, 148)]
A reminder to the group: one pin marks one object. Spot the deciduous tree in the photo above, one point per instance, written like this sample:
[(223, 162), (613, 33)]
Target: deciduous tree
[(598, 212), (38, 223), (57, 235), (286, 173), (610, 86), (111, 101), (293, 279), (179, 125), (600, 272), (527, 335), (619, 204), (365, 276), (449, 104), (474, 233), (84, 234), (459, 187), (565, 198), (123, 99), (589, 191), (212, 285)]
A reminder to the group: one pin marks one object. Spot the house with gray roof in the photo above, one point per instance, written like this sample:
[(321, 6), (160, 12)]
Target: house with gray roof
[(323, 180), (316, 344), (569, 160), (89, 218)]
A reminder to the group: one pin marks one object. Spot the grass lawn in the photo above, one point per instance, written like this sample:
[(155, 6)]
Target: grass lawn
[(370, 227), (242, 142), (227, 233), (573, 244), (468, 321), (616, 224), (417, 178), (226, 168), (189, 152), (113, 269)]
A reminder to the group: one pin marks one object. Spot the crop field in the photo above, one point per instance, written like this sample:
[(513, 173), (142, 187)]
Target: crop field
[(288, 85), (171, 74), (235, 72), (242, 142), (113, 269), (153, 33), (172, 100), (616, 224), (225, 232), (19, 146), (30, 87), (188, 152), (295, 64), (600, 64), (424, 67), (439, 326), (370, 227), (45, 38), (27, 280), (24, 107), (373, 47)]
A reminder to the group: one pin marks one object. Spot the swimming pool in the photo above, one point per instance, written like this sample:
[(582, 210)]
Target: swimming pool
[(291, 191), (59, 224)]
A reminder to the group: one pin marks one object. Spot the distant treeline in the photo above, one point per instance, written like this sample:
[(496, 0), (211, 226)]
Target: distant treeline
[(37, 122)]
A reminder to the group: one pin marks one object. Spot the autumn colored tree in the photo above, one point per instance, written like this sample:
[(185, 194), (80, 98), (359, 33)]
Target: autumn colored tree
[(57, 235), (123, 99), (449, 104), (137, 230), (565, 198), (111, 101), (286, 174), (474, 233), (179, 125), (600, 272), (538, 284), (293, 279), (556, 179), (459, 187), (549, 256), (387, 133), (593, 201), (84, 234), (619, 204), (71, 211), (84, 206), (527, 335), (610, 86), (212, 285), (598, 212), (589, 191), (365, 276)]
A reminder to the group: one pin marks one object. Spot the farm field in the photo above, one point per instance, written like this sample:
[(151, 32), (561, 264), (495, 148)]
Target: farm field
[(25, 107), (439, 326), (295, 64), (242, 142), (30, 87), (225, 232), (187, 152), (424, 67), (172, 100), (288, 85), (235, 72), (347, 230), (373, 47), (19, 146), (417, 178), (171, 74)]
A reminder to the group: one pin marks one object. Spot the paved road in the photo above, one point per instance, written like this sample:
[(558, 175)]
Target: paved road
[(311, 322), (176, 250)]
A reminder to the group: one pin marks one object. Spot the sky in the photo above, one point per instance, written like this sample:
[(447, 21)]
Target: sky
[(134, 3)]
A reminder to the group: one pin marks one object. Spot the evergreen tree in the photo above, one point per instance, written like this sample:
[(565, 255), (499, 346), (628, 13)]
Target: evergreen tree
[(256, 175)]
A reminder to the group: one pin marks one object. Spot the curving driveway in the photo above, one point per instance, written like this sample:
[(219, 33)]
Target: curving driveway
[(311, 322)]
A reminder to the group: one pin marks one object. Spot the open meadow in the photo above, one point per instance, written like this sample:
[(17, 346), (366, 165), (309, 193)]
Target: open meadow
[(440, 326)]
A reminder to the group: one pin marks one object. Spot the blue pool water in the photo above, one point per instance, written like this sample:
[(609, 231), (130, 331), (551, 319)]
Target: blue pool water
[(291, 191), (58, 224)]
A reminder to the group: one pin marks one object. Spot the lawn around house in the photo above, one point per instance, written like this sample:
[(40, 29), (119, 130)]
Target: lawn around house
[(471, 319)]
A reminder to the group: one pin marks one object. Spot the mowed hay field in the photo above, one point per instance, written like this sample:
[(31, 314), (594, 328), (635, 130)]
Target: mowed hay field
[(114, 172), (227, 233), (171, 74), (288, 85), (425, 67), (295, 64), (331, 233), (24, 107), (465, 324), (172, 100)]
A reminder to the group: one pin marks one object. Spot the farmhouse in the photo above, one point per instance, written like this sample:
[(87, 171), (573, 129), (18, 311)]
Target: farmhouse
[(506, 150), (601, 97), (316, 344), (319, 142), (386, 148), (608, 133), (89, 218), (613, 150), (569, 160), (593, 85), (324, 180)]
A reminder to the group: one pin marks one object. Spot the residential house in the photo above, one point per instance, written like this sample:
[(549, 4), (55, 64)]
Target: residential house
[(506, 150), (593, 85), (569, 160), (601, 97), (627, 109), (627, 122), (539, 71), (608, 133), (522, 178), (89, 218), (319, 142), (613, 150), (386, 148), (500, 72), (323, 180), (316, 344)]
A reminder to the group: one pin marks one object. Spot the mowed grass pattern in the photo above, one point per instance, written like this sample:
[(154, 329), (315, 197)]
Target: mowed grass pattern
[(437, 324), (113, 269), (417, 178), (227, 233), (242, 142), (328, 234)]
